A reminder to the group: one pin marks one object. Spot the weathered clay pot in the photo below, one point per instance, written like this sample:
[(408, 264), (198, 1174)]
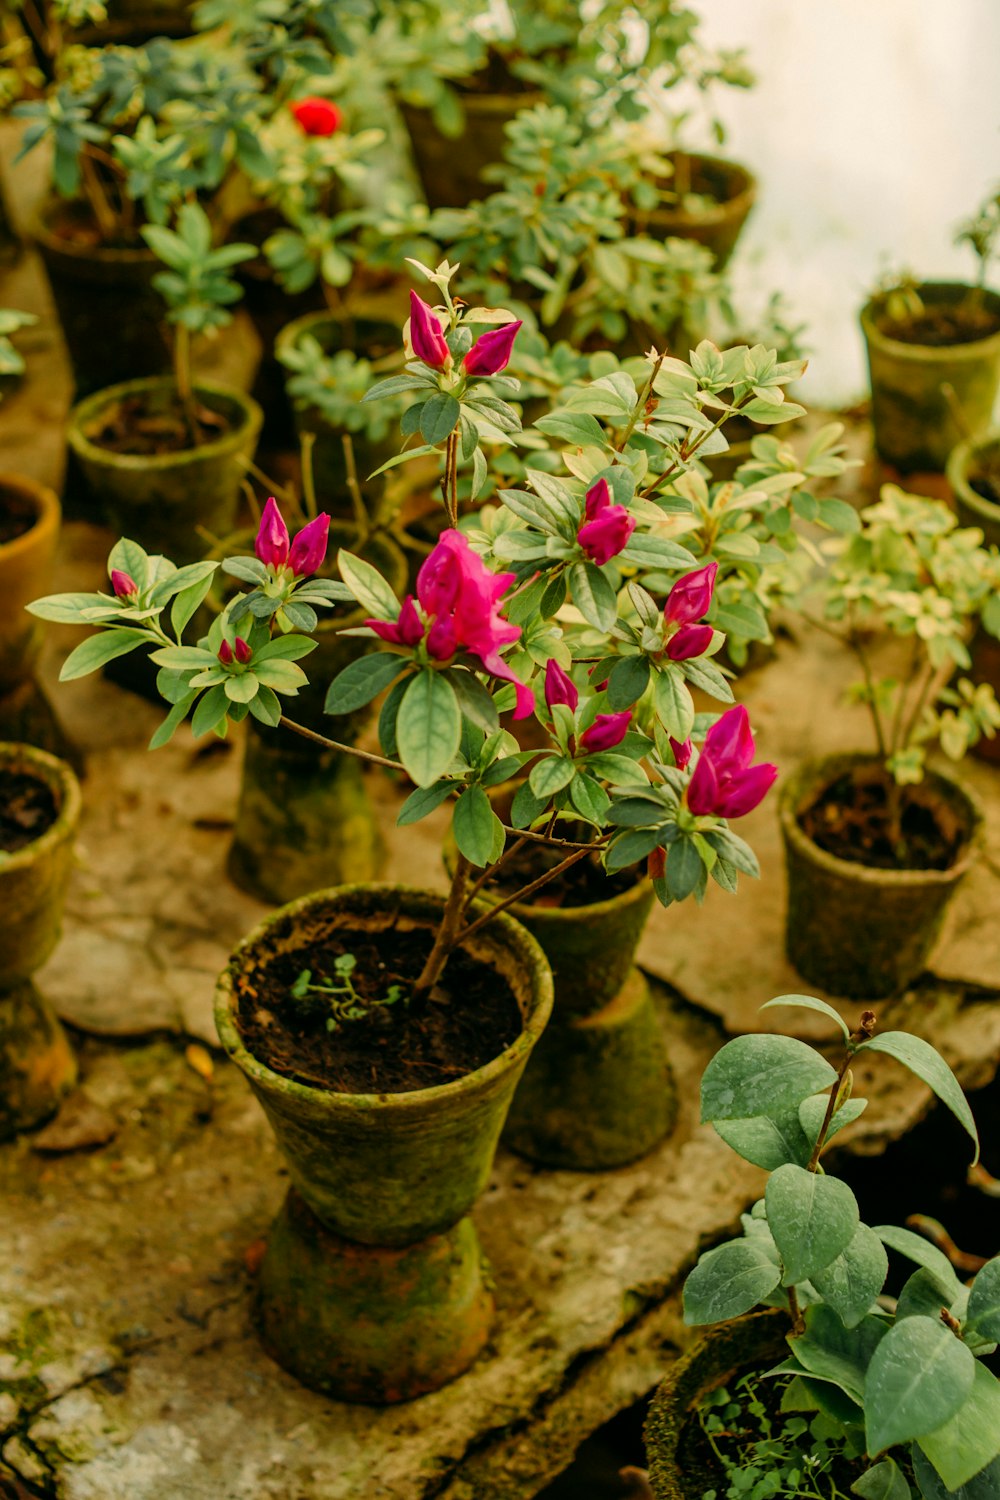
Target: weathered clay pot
[(976, 510), (172, 503), (852, 929), (33, 879), (37, 1067), (717, 227), (450, 171), (25, 569), (913, 416), (112, 319), (756, 1341), (373, 1247)]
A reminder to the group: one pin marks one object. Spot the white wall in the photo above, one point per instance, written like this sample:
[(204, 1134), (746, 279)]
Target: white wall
[(874, 128)]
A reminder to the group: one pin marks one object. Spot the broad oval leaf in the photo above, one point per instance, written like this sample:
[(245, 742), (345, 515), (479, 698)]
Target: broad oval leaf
[(852, 1281), (761, 1075), (965, 1451), (832, 1352), (728, 1282), (885, 1481), (593, 595), (422, 802), (982, 1486), (473, 824), (428, 727), (928, 1064), (361, 681), (983, 1313), (550, 775), (96, 650), (809, 1002), (439, 417), (917, 1249), (918, 1377), (812, 1217), (367, 585), (767, 1141)]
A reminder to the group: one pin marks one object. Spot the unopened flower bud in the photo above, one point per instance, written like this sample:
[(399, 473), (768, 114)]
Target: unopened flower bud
[(317, 116), (226, 654), (309, 547), (491, 352), (426, 339), (123, 584), (271, 545), (241, 651)]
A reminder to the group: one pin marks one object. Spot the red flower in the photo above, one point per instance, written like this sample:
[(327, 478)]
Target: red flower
[(688, 641), (607, 731), (124, 584), (725, 784), (607, 526), (308, 550), (690, 597), (491, 353), (271, 545), (426, 339), (559, 686), (317, 116)]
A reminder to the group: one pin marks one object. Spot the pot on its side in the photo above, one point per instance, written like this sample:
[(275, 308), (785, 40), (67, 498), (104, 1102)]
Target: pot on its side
[(756, 1341), (387, 1169), (33, 879), (852, 929), (172, 503), (913, 416)]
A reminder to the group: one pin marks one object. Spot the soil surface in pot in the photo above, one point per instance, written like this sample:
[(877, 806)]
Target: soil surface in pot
[(961, 323), (984, 478), (583, 884), (145, 428), (17, 515), (852, 821), (27, 809), (470, 1018)]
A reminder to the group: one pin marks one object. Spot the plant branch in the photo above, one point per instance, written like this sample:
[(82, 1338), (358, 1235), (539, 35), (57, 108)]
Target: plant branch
[(865, 1031), (357, 499), (854, 641), (490, 871), (448, 936), (528, 890), (640, 405)]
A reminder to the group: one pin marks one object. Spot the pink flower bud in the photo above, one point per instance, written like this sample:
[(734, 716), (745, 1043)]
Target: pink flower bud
[(317, 116), (682, 753), (406, 631), (426, 339), (596, 500), (559, 686), (491, 353), (442, 643), (725, 784), (271, 545), (226, 654), (688, 641), (125, 587), (607, 731), (603, 538), (241, 651), (309, 547), (691, 596)]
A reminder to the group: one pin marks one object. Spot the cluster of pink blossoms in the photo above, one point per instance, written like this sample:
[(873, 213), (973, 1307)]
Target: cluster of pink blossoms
[(488, 356)]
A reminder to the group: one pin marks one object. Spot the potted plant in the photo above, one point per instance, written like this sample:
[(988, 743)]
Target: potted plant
[(974, 478), (876, 844), (165, 457), (837, 1390), (934, 357), (39, 811), (703, 198)]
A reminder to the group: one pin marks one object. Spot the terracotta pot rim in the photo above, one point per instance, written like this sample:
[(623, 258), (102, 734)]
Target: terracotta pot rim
[(724, 209), (231, 442), (957, 471), (43, 234), (929, 353), (49, 513), (334, 1105), (290, 334), (826, 769), (60, 778)]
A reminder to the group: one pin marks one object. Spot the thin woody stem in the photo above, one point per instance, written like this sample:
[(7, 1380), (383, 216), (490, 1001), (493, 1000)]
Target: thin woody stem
[(450, 480), (490, 872), (526, 891), (865, 1031), (640, 405), (854, 641), (448, 937)]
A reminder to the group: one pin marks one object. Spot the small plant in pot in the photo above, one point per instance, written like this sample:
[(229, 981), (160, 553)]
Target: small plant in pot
[(876, 844), (839, 1389), (165, 456), (934, 351)]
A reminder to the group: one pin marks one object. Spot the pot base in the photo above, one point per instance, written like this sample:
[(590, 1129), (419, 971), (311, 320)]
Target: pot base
[(365, 1323), (37, 1067), (597, 1092), (28, 718)]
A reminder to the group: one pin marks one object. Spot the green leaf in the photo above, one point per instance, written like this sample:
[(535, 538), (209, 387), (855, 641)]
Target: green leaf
[(839, 516), (632, 847), (284, 648), (474, 700), (589, 798), (965, 1449), (283, 676), (830, 1351), (361, 681), (767, 1142), (917, 1249), (474, 826), (428, 727), (983, 1312), (368, 586), (210, 712), (684, 868), (526, 807), (852, 1281), (248, 569), (924, 1295), (761, 1075), (173, 721), (627, 683), (439, 417), (69, 609), (550, 775), (674, 704), (422, 802), (593, 595), (728, 1282), (918, 1378), (809, 1002), (187, 602), (98, 649), (886, 1481), (922, 1059), (181, 579), (577, 428), (265, 707), (242, 688), (128, 557), (812, 1113), (812, 1219), (983, 1486)]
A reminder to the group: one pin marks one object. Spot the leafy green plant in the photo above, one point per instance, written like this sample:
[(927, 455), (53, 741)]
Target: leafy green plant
[(344, 1001), (905, 1383), (11, 359)]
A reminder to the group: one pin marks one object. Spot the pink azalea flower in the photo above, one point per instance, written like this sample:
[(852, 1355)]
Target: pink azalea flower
[(406, 631), (607, 731), (309, 547), (725, 783), (691, 596), (682, 753), (271, 545), (559, 686), (490, 353), (607, 527), (123, 584), (426, 339), (225, 654), (688, 641), (241, 651)]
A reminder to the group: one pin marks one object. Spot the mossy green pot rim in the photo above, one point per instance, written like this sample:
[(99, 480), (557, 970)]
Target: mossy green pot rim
[(237, 405), (814, 776), (62, 782), (424, 908), (293, 333), (936, 293), (740, 198), (974, 509)]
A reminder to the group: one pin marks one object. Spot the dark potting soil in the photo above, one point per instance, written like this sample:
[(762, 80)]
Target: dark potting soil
[(962, 323), (851, 821), (583, 884), (138, 428), (27, 809), (985, 480), (470, 1018), (17, 515)]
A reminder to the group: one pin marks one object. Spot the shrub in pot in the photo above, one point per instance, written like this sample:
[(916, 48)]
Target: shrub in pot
[(39, 811), (877, 844), (705, 198), (836, 1384), (934, 358)]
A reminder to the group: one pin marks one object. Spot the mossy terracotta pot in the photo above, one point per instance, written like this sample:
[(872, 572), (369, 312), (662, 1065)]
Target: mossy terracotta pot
[(37, 1066), (598, 1091), (33, 878), (25, 572), (974, 509), (754, 1342), (304, 819), (450, 170), (853, 929), (372, 339), (112, 319), (917, 388), (173, 503), (718, 224), (372, 1287)]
